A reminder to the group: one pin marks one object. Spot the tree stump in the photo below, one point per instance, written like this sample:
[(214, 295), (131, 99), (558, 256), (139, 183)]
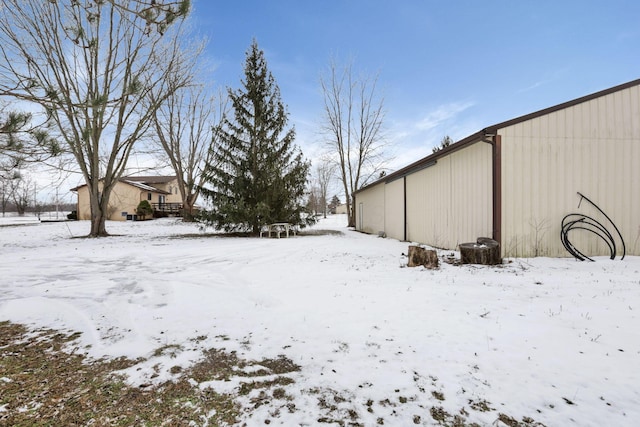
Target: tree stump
[(421, 256), (484, 251)]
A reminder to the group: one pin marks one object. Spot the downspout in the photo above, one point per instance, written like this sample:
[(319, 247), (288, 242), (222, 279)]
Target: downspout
[(496, 182), (404, 208)]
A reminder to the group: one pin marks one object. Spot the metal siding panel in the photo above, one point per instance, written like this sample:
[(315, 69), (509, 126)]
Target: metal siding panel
[(450, 203), (544, 126), (619, 118), (634, 112), (601, 118), (415, 206), (394, 209), (561, 126), (471, 194), (508, 186), (372, 202), (426, 209), (579, 117), (413, 199), (423, 215), (593, 148)]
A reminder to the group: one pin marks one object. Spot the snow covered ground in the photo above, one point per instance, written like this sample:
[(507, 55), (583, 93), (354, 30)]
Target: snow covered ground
[(551, 340)]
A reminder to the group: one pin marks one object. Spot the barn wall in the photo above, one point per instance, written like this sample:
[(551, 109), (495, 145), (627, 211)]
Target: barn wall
[(592, 148), (451, 202), (369, 208), (394, 209)]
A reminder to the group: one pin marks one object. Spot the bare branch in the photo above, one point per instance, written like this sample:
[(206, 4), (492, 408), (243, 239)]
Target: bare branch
[(90, 66), (353, 128), (183, 123)]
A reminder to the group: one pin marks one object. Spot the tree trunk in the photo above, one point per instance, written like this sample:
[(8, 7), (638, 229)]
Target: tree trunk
[(484, 251), (187, 210), (99, 213), (98, 225), (351, 213), (421, 256)]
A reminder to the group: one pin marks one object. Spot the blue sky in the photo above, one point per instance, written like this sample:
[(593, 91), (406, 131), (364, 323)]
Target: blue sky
[(444, 67)]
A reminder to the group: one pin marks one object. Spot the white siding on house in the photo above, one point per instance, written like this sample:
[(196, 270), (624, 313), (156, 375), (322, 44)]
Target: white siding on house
[(126, 196), (592, 148), (451, 202)]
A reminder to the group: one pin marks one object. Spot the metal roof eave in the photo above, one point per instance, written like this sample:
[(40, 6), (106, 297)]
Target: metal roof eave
[(429, 160), (491, 130)]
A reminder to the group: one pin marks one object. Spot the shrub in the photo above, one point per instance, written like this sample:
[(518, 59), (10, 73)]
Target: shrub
[(144, 208)]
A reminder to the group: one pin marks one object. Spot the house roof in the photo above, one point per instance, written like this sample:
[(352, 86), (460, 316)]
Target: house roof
[(142, 182), (492, 130), (151, 179), (143, 186)]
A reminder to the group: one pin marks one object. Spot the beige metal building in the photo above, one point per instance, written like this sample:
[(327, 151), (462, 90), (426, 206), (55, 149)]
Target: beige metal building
[(518, 180), (161, 191)]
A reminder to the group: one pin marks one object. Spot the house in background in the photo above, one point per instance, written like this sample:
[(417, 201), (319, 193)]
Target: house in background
[(517, 181), (161, 191), (341, 208)]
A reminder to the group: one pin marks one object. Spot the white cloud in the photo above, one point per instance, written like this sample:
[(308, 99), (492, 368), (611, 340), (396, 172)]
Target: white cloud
[(442, 114), (549, 77), (419, 135), (531, 87)]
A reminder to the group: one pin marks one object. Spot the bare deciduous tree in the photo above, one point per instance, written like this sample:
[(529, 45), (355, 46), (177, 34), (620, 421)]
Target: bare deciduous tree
[(313, 201), (90, 64), (183, 127), (353, 126), (5, 190), (21, 190), (325, 172)]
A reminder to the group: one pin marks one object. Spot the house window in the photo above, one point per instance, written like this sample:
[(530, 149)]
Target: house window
[(148, 196)]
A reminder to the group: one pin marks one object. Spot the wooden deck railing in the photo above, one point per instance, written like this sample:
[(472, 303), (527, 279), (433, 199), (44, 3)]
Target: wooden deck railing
[(163, 209)]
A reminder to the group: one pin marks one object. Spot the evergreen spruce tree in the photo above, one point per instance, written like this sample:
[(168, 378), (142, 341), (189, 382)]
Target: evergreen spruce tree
[(257, 175)]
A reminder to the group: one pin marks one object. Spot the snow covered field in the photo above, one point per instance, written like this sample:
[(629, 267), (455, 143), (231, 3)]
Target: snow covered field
[(554, 341)]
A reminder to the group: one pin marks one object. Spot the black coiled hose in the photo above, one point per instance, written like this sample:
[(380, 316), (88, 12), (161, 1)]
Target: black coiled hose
[(576, 221)]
